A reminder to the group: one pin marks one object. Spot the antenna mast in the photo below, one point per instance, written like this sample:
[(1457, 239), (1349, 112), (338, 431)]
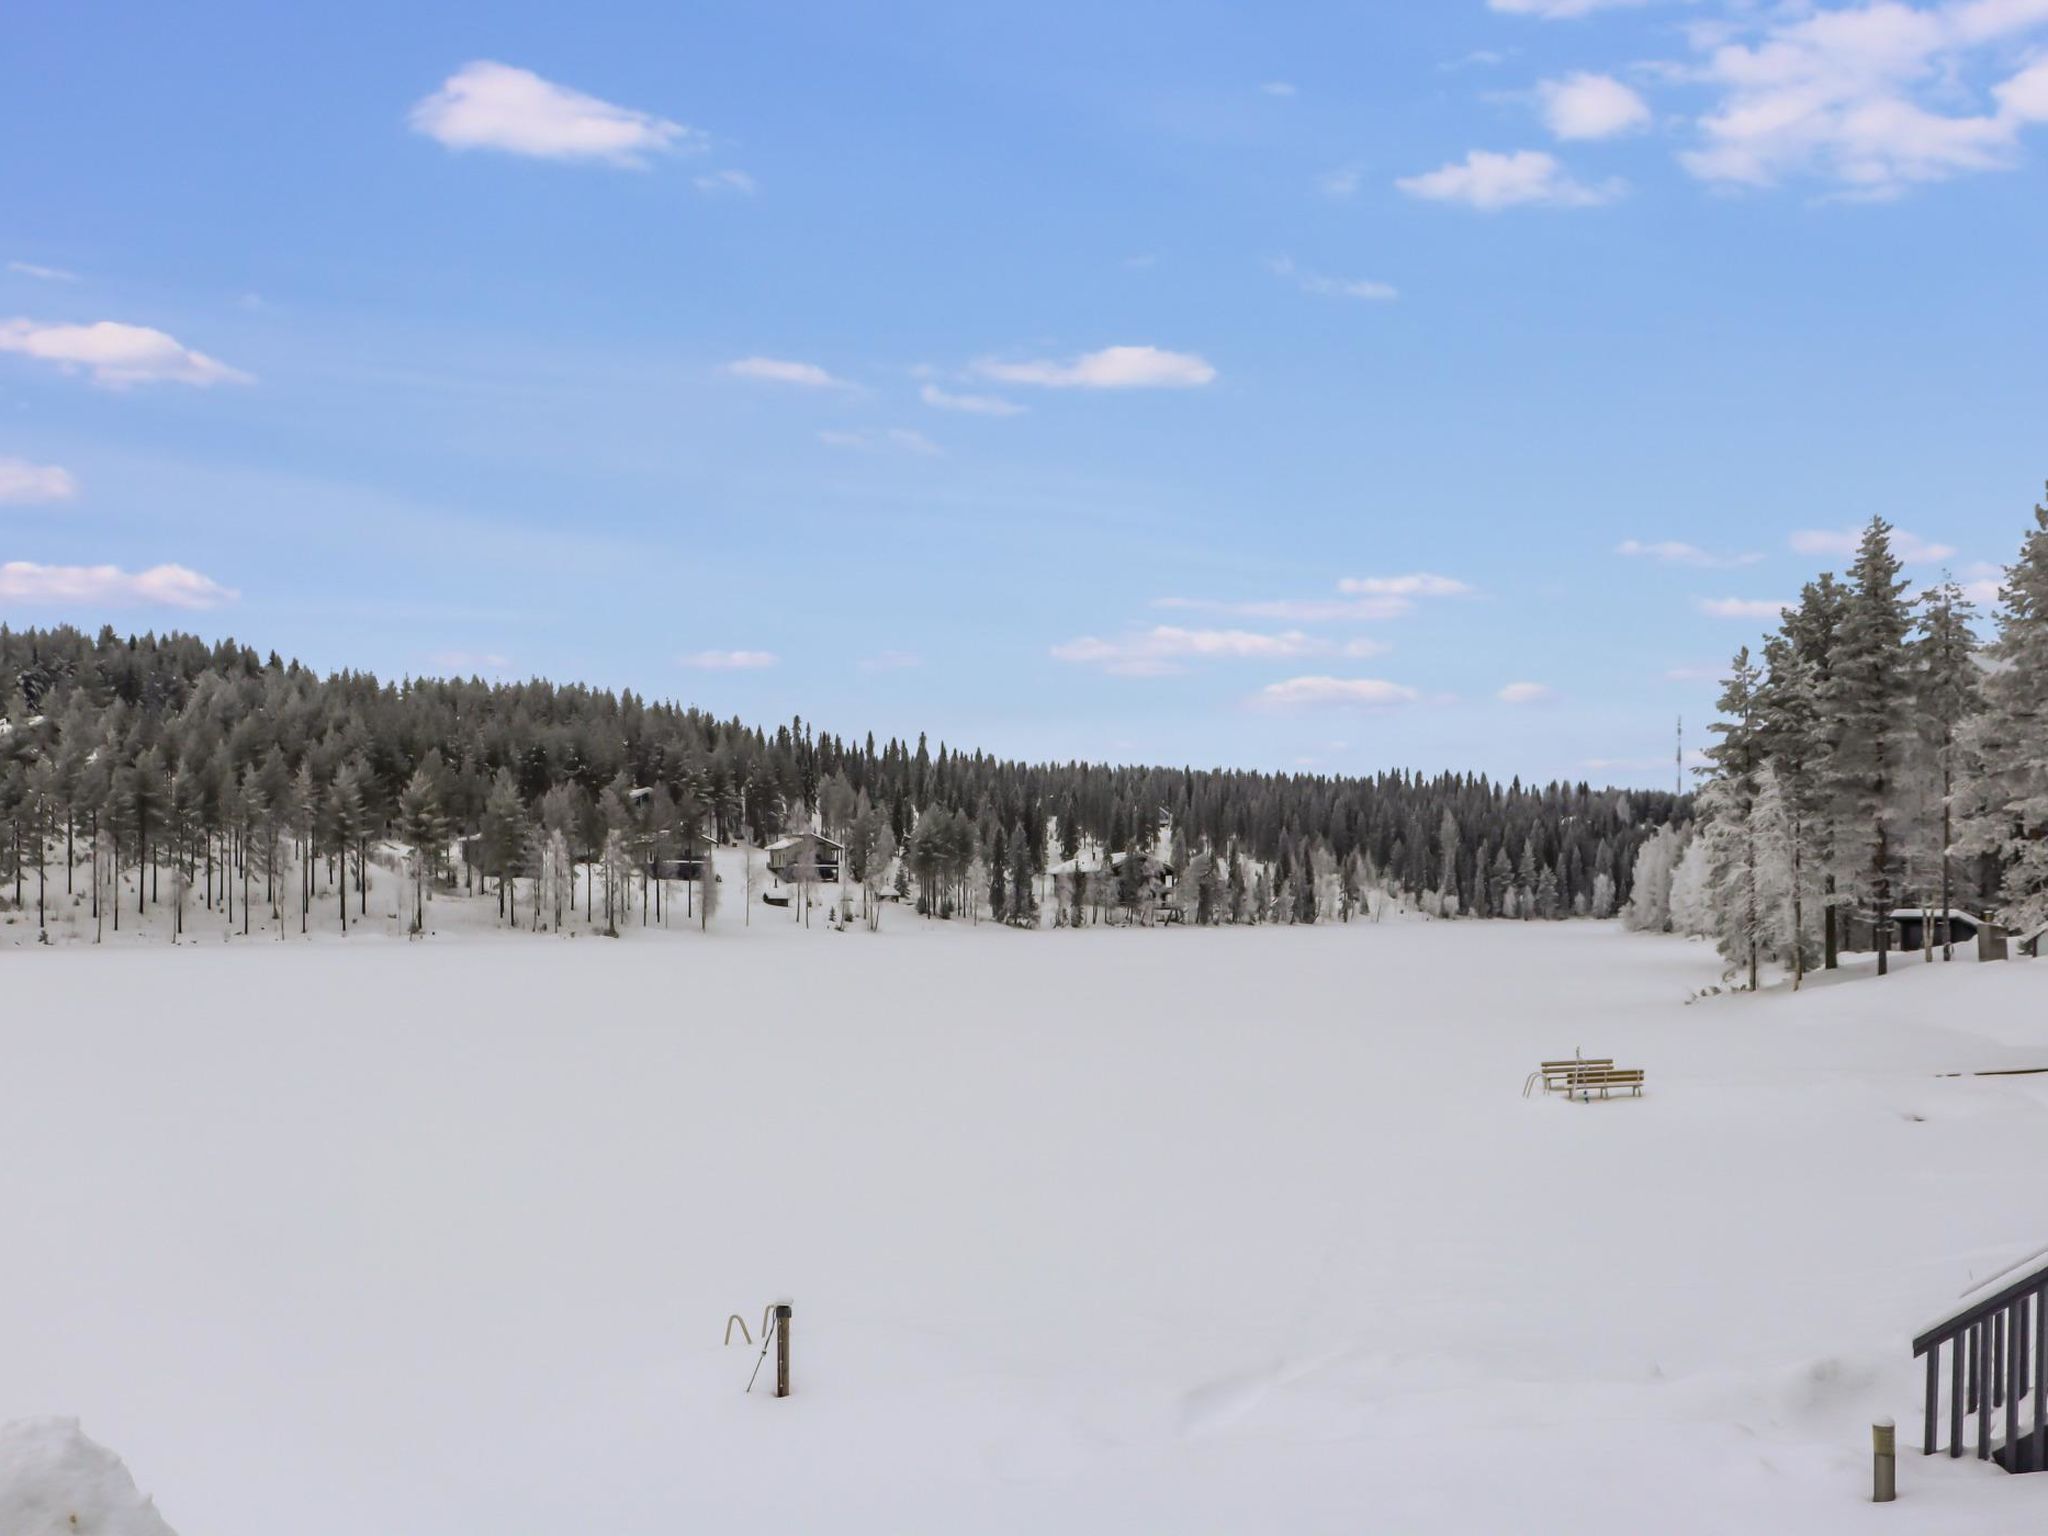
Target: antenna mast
[(1678, 761)]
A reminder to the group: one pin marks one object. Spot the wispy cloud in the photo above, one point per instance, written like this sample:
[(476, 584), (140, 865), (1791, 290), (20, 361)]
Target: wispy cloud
[(1334, 693), (1414, 584), (726, 181), (1278, 88), (1526, 693), (1842, 543), (1360, 599), (1676, 552), (1340, 185), (1589, 106), (1121, 367), (487, 105), (116, 355), (782, 370), (42, 273), (1741, 607), (972, 405), (1163, 649), (170, 586), (1331, 287), (728, 661), (1490, 182), (25, 484), (1294, 610), (1557, 10)]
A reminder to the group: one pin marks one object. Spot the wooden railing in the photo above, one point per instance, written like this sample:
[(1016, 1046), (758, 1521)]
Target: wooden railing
[(1998, 1356)]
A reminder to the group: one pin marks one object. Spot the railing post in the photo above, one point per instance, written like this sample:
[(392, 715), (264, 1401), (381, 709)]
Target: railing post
[(1984, 1390), (1958, 1399), (782, 1315), (2041, 1380), (1931, 1426), (1884, 1462), (2013, 1362)]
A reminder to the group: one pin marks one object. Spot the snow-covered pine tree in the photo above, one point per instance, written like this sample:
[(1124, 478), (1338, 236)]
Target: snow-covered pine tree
[(1865, 704), (2007, 743), (1946, 694), (1728, 810), (421, 826)]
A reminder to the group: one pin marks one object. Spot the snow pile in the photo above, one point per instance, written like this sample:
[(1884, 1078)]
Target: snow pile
[(56, 1482)]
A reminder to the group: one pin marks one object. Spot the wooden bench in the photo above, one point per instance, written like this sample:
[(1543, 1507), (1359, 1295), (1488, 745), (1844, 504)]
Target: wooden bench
[(1606, 1079), (1559, 1074)]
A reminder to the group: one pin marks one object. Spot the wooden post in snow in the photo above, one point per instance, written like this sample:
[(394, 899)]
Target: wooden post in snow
[(782, 1314), (1884, 1462)]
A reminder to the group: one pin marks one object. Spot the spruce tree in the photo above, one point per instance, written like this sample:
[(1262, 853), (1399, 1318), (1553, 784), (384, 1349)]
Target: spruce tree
[(2007, 744)]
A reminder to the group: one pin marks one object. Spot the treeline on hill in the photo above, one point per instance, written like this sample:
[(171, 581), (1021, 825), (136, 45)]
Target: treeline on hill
[(170, 770), (1878, 758)]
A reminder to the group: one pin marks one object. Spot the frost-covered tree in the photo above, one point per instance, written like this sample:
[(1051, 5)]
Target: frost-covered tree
[(1865, 703), (2007, 744), (422, 827), (1945, 696), (1728, 812)]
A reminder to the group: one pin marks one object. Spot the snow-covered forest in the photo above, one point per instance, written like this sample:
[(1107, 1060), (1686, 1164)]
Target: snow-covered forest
[(166, 777), (1880, 755)]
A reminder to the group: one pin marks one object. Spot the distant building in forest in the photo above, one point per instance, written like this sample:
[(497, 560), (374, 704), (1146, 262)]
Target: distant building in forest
[(786, 855)]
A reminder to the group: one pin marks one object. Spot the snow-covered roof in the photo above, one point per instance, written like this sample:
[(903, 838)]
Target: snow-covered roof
[(790, 840)]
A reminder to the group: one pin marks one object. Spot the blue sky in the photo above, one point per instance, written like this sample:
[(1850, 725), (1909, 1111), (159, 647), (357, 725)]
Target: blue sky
[(1447, 385)]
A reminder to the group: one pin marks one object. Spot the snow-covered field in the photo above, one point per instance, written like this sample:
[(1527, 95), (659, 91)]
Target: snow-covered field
[(1175, 1231)]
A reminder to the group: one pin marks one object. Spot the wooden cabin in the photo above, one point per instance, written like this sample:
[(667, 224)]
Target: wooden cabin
[(786, 856), (687, 863), (1910, 929)]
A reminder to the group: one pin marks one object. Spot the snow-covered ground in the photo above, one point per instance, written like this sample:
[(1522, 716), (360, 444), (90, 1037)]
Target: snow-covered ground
[(1176, 1231)]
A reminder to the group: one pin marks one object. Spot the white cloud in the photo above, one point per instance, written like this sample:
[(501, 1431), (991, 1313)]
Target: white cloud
[(1278, 88), (779, 370), (1526, 693), (116, 355), (1741, 607), (1844, 542), (728, 661), (1123, 367), (485, 105), (972, 405), (1588, 106), (1675, 552), (44, 274), (1160, 650), (1556, 10), (1363, 648), (23, 483), (1294, 610), (1361, 599), (1414, 584), (1490, 181), (1981, 583), (1334, 692), (1331, 287), (1874, 98), (891, 661), (894, 437), (172, 586), (1340, 185), (725, 181)]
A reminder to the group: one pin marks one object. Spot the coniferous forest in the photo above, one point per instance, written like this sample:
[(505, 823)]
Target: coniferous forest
[(160, 770), (1880, 756)]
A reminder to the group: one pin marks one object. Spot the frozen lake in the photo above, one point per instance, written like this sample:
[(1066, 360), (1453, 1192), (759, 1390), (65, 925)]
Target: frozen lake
[(1223, 1231)]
